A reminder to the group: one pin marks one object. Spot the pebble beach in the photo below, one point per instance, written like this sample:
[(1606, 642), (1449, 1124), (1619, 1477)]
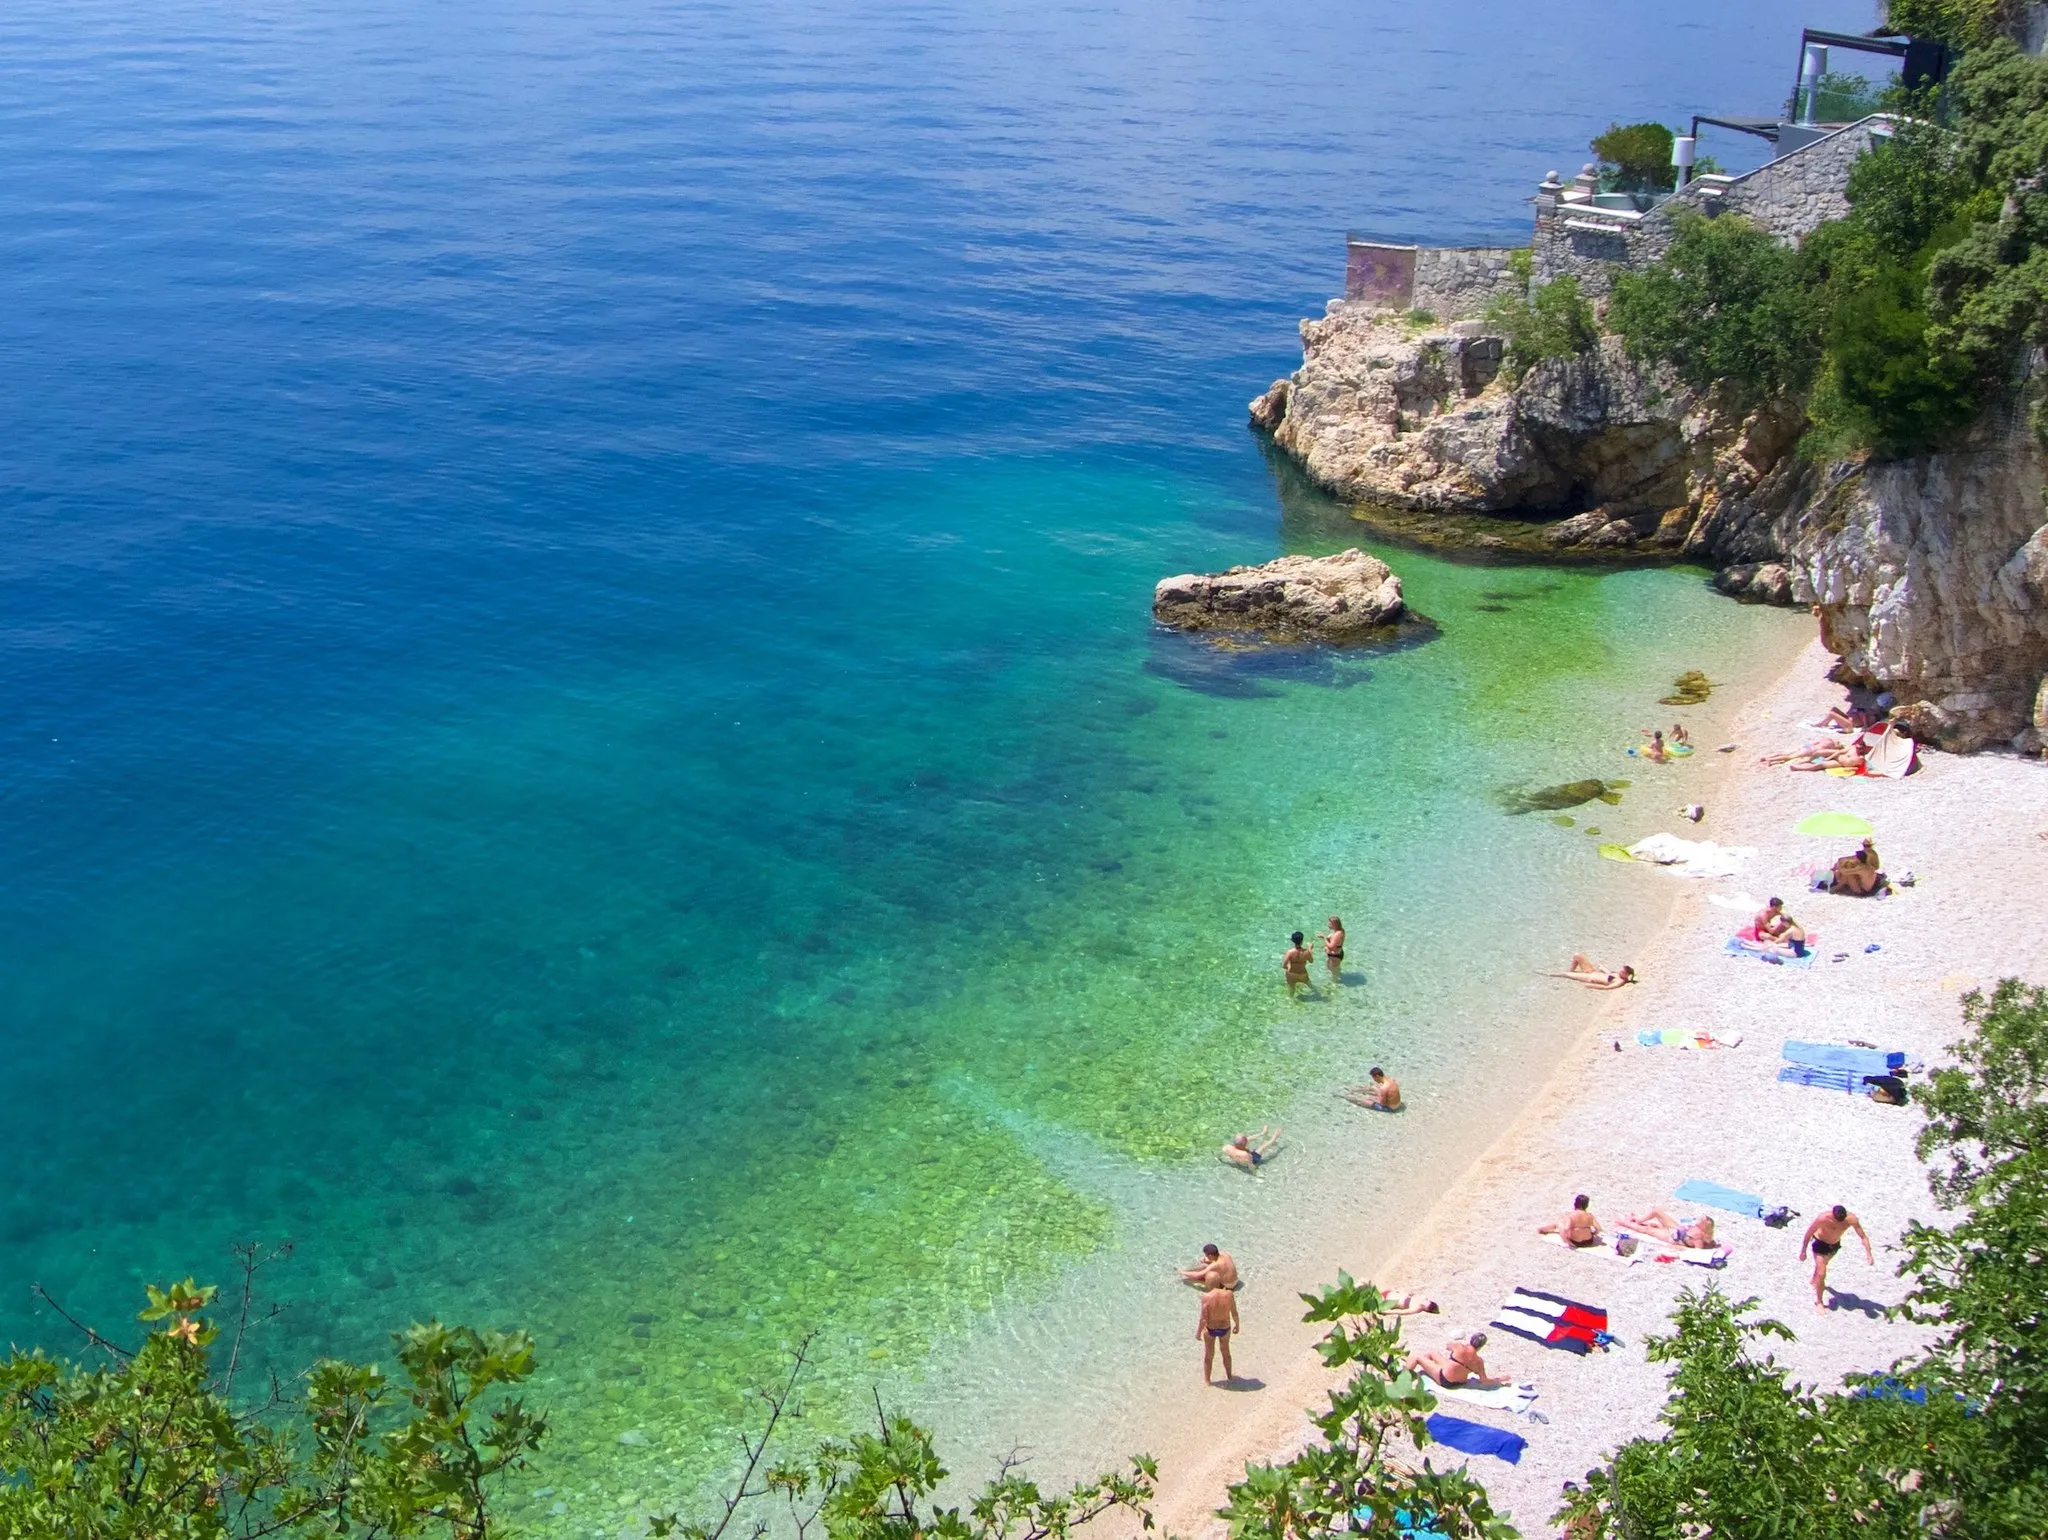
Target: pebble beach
[(1627, 1124)]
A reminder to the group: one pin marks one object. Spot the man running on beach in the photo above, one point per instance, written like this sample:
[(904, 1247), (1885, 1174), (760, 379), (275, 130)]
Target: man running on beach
[(1824, 1235), (1294, 964), (1213, 1326), (1216, 1270)]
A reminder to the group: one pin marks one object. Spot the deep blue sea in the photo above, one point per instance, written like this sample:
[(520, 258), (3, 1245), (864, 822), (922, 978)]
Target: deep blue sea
[(579, 732)]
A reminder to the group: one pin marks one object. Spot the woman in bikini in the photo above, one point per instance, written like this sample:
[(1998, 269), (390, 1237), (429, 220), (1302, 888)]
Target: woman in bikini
[(1582, 971), (1294, 964), (1697, 1233), (1333, 947)]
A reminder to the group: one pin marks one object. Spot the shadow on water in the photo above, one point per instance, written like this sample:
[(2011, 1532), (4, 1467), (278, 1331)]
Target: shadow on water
[(1246, 668)]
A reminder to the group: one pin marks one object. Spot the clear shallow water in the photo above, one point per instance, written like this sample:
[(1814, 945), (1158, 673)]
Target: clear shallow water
[(580, 734)]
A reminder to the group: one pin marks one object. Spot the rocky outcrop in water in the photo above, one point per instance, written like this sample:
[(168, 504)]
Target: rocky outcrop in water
[(1348, 597), (1930, 576)]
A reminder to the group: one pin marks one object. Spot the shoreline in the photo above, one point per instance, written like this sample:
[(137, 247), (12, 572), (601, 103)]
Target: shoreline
[(1626, 1127)]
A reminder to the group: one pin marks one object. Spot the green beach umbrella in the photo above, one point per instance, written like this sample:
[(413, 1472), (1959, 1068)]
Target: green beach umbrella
[(1834, 826)]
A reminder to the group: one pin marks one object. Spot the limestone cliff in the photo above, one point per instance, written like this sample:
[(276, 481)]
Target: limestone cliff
[(1930, 576)]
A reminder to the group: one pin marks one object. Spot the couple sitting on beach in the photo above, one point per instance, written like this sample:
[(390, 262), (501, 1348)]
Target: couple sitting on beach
[(1774, 932), (1856, 876), (1581, 1228)]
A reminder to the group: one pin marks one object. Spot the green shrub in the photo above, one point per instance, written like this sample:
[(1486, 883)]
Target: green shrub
[(1550, 320), (1636, 157), (1958, 23), (1727, 304)]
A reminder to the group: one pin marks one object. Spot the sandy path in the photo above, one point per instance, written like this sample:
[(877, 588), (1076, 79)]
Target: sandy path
[(1626, 1127)]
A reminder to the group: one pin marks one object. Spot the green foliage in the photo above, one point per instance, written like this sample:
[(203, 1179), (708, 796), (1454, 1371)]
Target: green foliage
[(1550, 320), (153, 1443), (1964, 1449), (1958, 23), (1420, 317), (1727, 304), (878, 1486), (1348, 1483), (1841, 98), (1636, 157)]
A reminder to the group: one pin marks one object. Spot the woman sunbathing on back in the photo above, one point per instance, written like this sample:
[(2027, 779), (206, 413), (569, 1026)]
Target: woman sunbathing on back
[(1582, 971), (1697, 1233)]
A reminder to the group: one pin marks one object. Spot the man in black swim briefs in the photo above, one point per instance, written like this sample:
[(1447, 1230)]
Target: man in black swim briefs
[(1824, 1235), (1213, 1326)]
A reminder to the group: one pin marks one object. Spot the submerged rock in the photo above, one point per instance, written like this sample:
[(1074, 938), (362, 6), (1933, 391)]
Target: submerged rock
[(1554, 799), (1690, 688), (1342, 598)]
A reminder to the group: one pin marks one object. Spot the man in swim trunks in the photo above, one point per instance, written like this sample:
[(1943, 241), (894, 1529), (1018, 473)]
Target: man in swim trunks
[(1333, 948), (1697, 1233), (1383, 1095), (1216, 1270), (1294, 964), (1213, 1326), (1252, 1150), (1458, 1364), (1773, 924), (1579, 1227), (1824, 1235)]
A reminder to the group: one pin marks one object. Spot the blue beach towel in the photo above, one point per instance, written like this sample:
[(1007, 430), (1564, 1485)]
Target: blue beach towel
[(1823, 1079), (1476, 1438), (1714, 1195), (1735, 948), (1860, 1061)]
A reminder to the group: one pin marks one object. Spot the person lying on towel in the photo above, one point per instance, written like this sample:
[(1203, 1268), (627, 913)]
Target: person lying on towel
[(1458, 1364), (1658, 1225)]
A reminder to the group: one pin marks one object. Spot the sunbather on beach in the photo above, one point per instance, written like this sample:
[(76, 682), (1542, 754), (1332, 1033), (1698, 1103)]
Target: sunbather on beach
[(1294, 964), (1583, 971), (1214, 1323), (1579, 1227), (1216, 1270), (1382, 1095), (1407, 1304), (1849, 756), (1458, 1364), (1855, 719), (1252, 1150), (1824, 1235), (1697, 1233), (1859, 875), (1775, 927)]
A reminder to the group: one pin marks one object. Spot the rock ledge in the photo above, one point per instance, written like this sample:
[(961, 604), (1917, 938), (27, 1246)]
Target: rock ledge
[(1348, 597)]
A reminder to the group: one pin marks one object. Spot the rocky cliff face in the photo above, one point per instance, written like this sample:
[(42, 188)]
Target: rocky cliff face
[(1930, 576)]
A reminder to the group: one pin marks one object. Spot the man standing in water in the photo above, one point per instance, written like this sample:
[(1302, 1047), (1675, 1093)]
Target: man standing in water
[(1294, 964), (1218, 1319), (1824, 1235)]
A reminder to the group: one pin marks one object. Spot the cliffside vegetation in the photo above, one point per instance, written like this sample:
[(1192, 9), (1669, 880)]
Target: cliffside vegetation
[(1900, 322), (1539, 321)]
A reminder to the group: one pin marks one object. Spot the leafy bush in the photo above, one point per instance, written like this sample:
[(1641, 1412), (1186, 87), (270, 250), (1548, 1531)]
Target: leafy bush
[(1958, 23), (1346, 1484), (1727, 304), (1549, 320), (1637, 157), (153, 1442)]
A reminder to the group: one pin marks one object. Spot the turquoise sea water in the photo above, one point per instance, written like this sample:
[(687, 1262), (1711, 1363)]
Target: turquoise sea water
[(581, 734)]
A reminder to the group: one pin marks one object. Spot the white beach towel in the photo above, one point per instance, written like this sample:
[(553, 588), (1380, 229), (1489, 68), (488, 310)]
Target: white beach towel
[(1648, 1250), (1502, 1398), (1691, 858)]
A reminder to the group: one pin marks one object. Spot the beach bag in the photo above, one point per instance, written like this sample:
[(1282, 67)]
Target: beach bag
[(1889, 1089), (1626, 1246)]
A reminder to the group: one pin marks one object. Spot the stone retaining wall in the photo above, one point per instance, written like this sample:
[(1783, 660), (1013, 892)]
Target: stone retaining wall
[(1450, 282)]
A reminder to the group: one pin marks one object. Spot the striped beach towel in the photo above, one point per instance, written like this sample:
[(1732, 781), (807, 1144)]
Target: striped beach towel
[(1550, 1319)]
